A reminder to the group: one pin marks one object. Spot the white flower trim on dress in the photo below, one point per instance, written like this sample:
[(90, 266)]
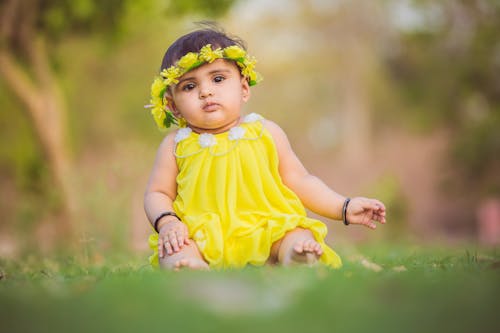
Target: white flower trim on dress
[(252, 117), (236, 133), (207, 140), (182, 133)]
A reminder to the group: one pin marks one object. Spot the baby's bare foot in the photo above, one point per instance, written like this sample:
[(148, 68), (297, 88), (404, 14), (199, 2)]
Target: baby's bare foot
[(304, 251), (189, 257), (190, 263)]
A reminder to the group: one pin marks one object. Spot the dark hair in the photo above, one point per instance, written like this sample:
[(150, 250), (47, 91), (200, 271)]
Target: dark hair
[(194, 41)]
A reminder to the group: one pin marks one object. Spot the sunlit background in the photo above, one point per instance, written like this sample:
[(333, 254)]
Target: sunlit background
[(394, 99)]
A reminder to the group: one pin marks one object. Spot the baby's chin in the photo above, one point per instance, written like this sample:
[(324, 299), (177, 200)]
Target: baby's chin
[(215, 127)]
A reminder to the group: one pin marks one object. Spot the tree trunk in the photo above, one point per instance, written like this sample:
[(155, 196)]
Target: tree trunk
[(26, 70), (43, 102)]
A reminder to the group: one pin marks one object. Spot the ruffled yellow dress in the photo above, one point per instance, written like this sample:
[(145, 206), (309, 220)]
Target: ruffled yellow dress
[(231, 197)]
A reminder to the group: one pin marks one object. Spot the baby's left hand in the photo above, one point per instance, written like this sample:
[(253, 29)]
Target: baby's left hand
[(365, 211)]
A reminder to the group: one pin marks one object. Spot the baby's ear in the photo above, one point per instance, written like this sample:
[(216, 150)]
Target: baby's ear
[(170, 103), (245, 89)]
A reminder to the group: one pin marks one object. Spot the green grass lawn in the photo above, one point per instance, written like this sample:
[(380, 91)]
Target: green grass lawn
[(379, 289)]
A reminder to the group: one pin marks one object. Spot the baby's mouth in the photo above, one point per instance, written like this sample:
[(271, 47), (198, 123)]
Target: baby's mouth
[(210, 107)]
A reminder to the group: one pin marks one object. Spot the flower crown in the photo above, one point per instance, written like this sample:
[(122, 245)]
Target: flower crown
[(162, 115)]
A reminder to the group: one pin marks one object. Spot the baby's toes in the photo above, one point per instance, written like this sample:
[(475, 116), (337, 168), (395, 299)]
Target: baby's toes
[(312, 245), (299, 247), (180, 263), (307, 246), (317, 249)]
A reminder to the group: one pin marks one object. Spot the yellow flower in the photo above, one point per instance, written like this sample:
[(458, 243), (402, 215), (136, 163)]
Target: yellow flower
[(245, 71), (170, 75), (252, 76), (234, 52), (159, 116), (188, 60), (156, 101), (250, 62), (157, 87), (209, 55), (248, 71), (258, 78), (169, 81)]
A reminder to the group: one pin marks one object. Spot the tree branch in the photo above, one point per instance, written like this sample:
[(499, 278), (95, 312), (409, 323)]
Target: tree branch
[(15, 19), (33, 44), (39, 58), (18, 81)]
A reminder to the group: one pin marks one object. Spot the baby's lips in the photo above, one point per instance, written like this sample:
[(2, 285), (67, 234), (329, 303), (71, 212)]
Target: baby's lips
[(210, 107)]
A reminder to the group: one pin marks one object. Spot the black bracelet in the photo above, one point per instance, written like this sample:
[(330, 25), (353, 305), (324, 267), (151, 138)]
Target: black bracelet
[(162, 215), (344, 211)]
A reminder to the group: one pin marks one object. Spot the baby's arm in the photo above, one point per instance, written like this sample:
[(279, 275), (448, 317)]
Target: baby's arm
[(314, 193), (160, 194)]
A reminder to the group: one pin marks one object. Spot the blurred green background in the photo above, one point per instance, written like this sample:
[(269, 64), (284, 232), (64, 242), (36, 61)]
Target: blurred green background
[(396, 99)]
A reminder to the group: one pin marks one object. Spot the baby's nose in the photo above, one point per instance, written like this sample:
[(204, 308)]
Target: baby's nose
[(205, 92)]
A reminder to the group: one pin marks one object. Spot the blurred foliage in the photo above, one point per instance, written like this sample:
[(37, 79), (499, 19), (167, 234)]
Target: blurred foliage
[(447, 69), (58, 17), (388, 190), (210, 8)]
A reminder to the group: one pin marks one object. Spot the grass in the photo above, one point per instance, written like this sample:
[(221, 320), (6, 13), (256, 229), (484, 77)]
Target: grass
[(379, 289)]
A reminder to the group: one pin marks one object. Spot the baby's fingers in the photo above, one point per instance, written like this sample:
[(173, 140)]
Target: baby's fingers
[(160, 248), (168, 247), (381, 218), (181, 239), (368, 221), (374, 205), (185, 236), (178, 239), (370, 225), (172, 237), (380, 207), (382, 215)]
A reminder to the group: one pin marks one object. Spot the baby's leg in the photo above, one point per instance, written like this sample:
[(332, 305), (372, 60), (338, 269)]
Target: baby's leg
[(188, 257), (298, 247)]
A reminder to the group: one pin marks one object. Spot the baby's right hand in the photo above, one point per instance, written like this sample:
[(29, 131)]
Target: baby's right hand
[(172, 237)]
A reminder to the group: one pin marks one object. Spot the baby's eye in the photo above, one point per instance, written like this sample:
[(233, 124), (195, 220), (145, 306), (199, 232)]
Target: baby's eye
[(219, 78), (188, 86)]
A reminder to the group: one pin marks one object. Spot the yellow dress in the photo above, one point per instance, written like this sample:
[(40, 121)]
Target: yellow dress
[(231, 197)]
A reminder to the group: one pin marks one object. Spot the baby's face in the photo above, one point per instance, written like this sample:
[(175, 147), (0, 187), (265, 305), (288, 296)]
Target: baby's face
[(210, 97)]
